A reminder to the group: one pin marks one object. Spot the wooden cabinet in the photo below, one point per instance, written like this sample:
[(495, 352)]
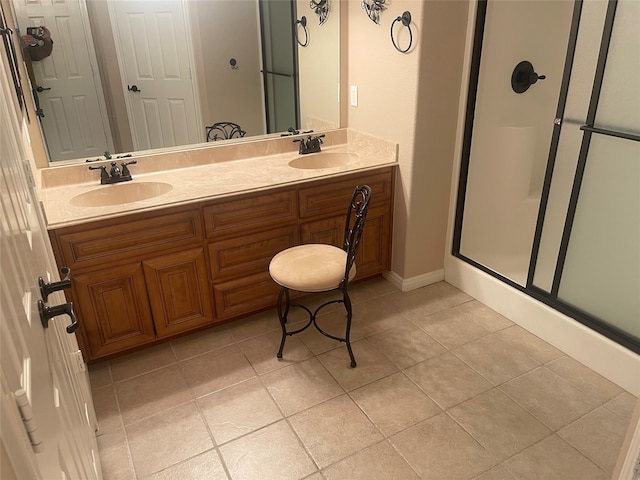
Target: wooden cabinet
[(145, 277)]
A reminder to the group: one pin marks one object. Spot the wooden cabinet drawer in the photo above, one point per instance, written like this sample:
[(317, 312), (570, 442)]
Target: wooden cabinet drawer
[(332, 198), (250, 212), (249, 254), (245, 295), (113, 240)]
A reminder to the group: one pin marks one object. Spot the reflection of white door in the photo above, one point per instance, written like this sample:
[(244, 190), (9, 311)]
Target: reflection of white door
[(41, 369), (158, 61), (75, 121)]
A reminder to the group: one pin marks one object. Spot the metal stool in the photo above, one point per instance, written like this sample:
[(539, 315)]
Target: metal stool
[(224, 131), (313, 268)]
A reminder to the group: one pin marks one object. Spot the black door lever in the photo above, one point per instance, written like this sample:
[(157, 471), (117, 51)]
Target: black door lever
[(47, 289)]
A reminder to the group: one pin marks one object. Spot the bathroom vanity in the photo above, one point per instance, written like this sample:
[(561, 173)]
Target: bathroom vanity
[(145, 273)]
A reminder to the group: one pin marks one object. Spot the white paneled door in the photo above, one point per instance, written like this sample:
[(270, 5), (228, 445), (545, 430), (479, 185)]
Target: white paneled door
[(48, 422), (74, 121), (153, 43)]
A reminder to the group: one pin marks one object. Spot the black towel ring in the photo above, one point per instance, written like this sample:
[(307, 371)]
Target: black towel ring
[(406, 21), (303, 22)]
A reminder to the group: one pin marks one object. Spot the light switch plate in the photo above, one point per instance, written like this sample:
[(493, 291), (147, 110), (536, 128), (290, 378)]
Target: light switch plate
[(354, 95)]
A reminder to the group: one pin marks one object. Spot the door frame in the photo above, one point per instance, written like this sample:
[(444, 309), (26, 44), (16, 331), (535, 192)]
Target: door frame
[(123, 78)]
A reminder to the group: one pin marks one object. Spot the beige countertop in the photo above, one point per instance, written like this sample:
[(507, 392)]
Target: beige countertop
[(209, 172)]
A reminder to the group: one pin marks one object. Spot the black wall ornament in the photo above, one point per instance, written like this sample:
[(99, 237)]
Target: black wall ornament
[(374, 8), (321, 7)]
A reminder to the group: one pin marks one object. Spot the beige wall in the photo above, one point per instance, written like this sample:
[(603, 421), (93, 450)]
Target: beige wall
[(412, 99), (319, 69)]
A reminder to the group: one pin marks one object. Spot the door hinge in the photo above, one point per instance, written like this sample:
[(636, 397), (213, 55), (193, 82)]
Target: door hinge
[(78, 361), (26, 412)]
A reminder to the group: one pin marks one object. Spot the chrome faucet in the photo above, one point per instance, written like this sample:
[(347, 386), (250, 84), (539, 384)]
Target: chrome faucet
[(115, 175), (310, 144)]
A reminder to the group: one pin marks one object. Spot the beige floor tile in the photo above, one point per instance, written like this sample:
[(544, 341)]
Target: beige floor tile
[(483, 315), (424, 301), (261, 351), (585, 379), (100, 375), (254, 325), (315, 476), (201, 342), (272, 452), (553, 459), (107, 410), (623, 405), (498, 423), (371, 365), (451, 327), (496, 473), (216, 370), (301, 386), (168, 438), (394, 403), (406, 345), (494, 359), (376, 315), (370, 289), (528, 343), (447, 380), (379, 461), (206, 466), (598, 435), (141, 362), (334, 429), (549, 398), (238, 410), (115, 457), (439, 449), (151, 393)]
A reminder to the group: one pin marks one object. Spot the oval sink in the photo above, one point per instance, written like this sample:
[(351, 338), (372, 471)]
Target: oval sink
[(322, 160), (120, 193)]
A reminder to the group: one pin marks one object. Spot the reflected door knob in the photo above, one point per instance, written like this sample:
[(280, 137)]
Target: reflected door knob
[(133, 88)]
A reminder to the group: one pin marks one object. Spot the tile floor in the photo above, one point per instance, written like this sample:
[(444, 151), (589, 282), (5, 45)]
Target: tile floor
[(445, 388)]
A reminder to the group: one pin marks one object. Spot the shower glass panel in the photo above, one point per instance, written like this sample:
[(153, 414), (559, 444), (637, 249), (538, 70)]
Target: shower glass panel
[(566, 156), (512, 132), (601, 273)]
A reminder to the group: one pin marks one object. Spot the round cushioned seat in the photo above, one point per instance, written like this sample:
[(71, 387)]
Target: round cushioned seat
[(310, 268)]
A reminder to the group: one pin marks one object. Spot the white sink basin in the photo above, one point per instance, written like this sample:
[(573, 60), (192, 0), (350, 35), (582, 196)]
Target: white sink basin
[(322, 160), (120, 193)]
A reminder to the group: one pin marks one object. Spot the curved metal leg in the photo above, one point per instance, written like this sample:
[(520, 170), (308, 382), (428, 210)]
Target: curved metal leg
[(347, 306), (282, 316)]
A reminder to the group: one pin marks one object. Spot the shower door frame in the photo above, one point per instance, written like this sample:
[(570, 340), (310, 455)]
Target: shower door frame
[(548, 298)]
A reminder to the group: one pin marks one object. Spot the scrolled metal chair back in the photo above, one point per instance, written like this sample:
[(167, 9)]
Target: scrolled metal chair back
[(356, 216)]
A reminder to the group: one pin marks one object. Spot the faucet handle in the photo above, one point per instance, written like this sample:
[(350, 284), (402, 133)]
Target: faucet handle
[(103, 170), (125, 169)]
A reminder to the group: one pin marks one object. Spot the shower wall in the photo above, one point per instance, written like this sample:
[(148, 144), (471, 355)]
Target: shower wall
[(512, 132)]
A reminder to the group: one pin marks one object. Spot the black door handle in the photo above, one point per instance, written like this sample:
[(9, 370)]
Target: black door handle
[(133, 88), (47, 313), (47, 289), (40, 89)]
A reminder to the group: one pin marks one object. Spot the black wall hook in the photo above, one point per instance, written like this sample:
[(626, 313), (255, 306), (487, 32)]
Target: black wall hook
[(406, 21)]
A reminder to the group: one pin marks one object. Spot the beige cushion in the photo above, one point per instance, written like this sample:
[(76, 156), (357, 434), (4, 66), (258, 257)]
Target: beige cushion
[(310, 268)]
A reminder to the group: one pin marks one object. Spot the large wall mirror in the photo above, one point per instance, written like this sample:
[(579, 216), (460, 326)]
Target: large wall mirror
[(130, 76)]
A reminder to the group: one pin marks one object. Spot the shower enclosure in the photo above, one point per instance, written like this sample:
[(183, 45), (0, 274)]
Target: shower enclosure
[(549, 188)]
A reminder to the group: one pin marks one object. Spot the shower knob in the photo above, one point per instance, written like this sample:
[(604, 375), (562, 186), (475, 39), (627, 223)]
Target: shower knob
[(524, 76)]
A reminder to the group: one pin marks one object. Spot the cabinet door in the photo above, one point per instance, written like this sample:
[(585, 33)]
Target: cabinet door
[(113, 309), (245, 295), (178, 291)]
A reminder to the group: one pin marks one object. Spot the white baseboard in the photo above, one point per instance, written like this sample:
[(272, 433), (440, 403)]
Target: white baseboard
[(406, 285), (614, 362)]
